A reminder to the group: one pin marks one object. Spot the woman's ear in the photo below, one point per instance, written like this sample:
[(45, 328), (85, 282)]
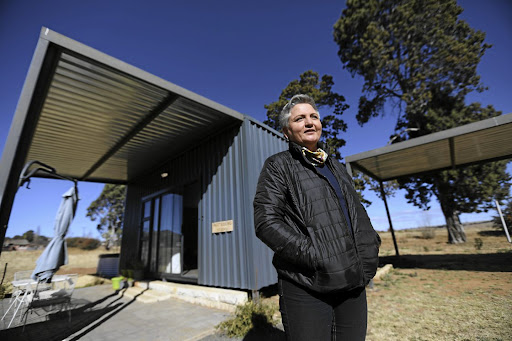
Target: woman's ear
[(285, 132)]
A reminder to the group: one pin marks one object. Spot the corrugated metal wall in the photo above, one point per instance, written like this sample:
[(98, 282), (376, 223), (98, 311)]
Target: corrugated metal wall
[(227, 167), (259, 143), (200, 163), (222, 258)]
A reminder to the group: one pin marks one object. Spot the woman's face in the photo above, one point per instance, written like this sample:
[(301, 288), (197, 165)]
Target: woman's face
[(304, 126)]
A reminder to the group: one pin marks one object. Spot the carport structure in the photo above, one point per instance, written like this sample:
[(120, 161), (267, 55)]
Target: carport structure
[(475, 143), (123, 119)]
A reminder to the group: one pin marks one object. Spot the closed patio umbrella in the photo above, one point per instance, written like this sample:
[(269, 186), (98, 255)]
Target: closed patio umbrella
[(56, 254)]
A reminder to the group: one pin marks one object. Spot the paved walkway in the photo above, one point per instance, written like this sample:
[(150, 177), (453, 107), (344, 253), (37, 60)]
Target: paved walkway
[(100, 314)]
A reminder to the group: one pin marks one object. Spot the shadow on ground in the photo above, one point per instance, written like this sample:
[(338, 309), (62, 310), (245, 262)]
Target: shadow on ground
[(492, 233), (492, 262), (263, 330), (85, 316)]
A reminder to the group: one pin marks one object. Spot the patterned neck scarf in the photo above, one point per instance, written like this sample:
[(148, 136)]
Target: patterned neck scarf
[(316, 158)]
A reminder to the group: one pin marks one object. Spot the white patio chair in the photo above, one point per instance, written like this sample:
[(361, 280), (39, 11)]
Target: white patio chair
[(52, 299), (23, 287)]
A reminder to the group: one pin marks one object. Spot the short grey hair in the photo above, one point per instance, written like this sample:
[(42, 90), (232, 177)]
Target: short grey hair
[(284, 116)]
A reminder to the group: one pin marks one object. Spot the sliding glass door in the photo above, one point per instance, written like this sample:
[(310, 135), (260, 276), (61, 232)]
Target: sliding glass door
[(169, 234), (170, 241)]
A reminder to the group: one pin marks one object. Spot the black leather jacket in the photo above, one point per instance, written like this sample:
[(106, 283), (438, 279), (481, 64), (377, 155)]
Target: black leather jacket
[(298, 215)]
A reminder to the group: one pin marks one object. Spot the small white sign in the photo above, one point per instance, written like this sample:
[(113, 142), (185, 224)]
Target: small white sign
[(222, 226)]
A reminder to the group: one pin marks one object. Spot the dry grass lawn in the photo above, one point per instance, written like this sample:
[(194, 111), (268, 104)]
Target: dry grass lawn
[(439, 291)]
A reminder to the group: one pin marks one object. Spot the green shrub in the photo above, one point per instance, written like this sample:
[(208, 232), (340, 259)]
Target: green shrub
[(478, 243), (83, 243), (248, 316), (3, 288)]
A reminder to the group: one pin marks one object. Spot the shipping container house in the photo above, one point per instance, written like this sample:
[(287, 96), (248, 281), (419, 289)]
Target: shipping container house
[(190, 164)]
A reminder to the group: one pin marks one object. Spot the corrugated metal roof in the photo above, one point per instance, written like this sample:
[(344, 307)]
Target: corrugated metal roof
[(104, 120), (478, 142)]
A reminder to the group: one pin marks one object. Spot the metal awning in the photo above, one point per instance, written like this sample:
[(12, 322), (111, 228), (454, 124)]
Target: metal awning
[(478, 142), (483, 141), (96, 118)]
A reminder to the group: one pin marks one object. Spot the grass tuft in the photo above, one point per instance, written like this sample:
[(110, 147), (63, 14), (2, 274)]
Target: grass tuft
[(248, 316), (478, 243)]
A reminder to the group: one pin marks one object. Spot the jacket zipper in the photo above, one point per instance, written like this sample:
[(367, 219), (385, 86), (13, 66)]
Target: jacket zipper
[(351, 232)]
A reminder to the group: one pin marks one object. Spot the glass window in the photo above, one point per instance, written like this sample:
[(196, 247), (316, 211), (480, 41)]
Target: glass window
[(171, 217), (154, 239), (147, 209), (145, 242)]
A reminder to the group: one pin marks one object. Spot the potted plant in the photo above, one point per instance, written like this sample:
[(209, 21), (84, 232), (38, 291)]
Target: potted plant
[(127, 275), (137, 268)]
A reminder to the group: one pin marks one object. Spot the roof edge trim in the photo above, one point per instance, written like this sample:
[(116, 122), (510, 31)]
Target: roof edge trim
[(445, 134), (265, 126)]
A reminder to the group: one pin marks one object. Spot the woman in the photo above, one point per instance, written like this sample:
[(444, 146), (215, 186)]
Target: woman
[(325, 248)]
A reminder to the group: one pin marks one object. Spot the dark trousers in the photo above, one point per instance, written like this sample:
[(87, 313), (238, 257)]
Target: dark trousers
[(309, 316)]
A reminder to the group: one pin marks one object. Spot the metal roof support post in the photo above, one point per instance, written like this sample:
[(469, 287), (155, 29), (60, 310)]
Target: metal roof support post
[(349, 169), (389, 217), (28, 110), (502, 220)]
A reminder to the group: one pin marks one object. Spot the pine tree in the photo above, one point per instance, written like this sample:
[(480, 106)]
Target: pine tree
[(420, 57)]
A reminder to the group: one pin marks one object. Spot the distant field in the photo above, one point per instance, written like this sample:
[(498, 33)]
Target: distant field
[(79, 261), (439, 291), (434, 241)]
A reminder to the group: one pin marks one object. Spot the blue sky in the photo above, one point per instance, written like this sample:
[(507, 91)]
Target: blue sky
[(240, 54)]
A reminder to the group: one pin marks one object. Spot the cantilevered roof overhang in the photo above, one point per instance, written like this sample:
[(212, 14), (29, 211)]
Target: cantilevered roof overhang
[(479, 142), (95, 118)]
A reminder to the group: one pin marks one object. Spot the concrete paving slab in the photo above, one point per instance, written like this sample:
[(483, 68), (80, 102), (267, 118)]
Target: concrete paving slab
[(145, 295), (219, 298), (99, 313)]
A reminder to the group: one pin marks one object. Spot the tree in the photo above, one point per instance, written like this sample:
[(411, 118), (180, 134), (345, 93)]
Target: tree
[(420, 59), (41, 240), (332, 125), (109, 209), (29, 235)]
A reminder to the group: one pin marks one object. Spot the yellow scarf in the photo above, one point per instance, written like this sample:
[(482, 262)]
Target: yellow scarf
[(316, 158)]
